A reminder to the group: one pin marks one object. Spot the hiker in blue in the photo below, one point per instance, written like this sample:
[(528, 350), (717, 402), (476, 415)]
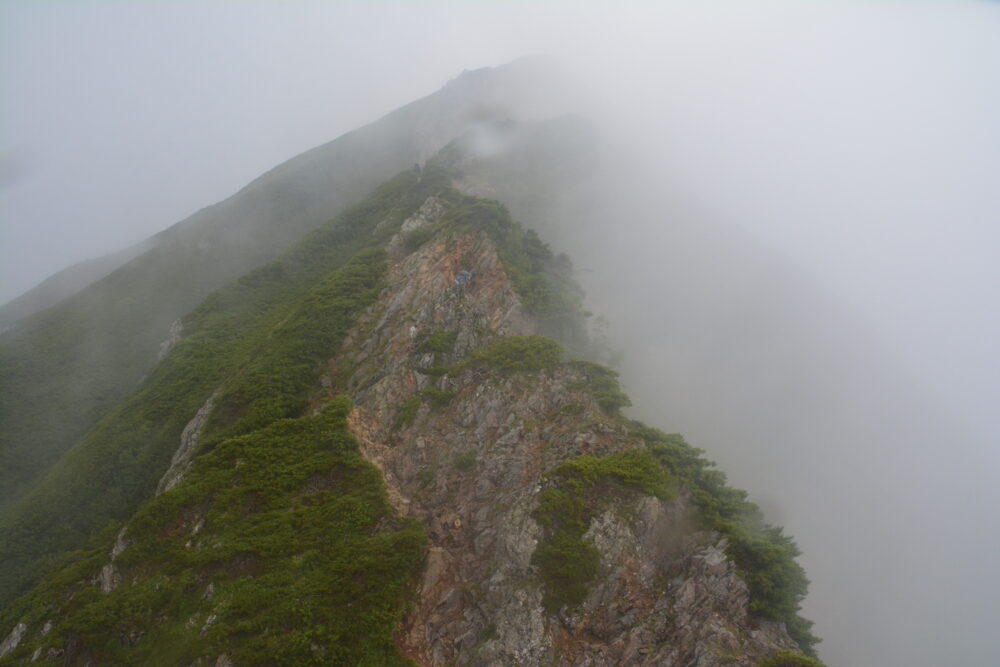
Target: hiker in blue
[(463, 277)]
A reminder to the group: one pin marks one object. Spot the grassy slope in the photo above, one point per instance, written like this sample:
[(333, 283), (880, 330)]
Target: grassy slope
[(301, 560)]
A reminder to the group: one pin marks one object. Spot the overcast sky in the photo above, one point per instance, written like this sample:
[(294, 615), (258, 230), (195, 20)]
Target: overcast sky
[(860, 139)]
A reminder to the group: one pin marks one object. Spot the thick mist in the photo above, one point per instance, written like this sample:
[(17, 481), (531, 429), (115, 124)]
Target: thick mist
[(792, 228)]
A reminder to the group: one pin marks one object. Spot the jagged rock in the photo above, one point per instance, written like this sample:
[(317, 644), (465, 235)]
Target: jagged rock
[(189, 443), (430, 212), (120, 544), (108, 579), (13, 639), (173, 337), (209, 622)]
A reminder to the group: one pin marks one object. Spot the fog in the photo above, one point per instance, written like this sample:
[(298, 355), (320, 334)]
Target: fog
[(819, 181)]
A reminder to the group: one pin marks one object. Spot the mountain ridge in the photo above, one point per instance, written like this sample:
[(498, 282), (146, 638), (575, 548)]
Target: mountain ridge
[(426, 358)]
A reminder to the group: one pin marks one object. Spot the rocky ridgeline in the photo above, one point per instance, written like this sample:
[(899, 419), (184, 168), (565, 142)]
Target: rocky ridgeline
[(467, 452)]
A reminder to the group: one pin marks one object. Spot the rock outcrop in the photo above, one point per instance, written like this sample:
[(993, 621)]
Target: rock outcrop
[(173, 337), (185, 452), (13, 639), (469, 458)]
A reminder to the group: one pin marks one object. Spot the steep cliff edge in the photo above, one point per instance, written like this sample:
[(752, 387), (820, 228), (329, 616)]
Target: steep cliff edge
[(401, 467)]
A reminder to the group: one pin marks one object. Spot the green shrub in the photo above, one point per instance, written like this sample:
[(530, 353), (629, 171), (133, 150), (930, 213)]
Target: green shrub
[(434, 371), (602, 383), (437, 398), (416, 238), (518, 354), (438, 342), (577, 491), (567, 565), (425, 477), (274, 383), (407, 412), (466, 460)]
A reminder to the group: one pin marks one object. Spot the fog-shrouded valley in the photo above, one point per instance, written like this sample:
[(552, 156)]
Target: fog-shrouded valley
[(314, 318)]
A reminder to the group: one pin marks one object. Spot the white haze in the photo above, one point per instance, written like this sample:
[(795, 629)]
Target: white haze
[(857, 140)]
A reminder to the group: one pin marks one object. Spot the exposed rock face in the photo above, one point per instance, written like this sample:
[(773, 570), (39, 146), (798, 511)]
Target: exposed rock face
[(189, 443), (173, 337), (108, 579), (471, 468), (13, 639)]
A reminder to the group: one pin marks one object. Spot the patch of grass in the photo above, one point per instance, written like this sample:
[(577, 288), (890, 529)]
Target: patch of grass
[(438, 399), (517, 354), (439, 342), (488, 633), (274, 384), (466, 460), (577, 491), (425, 477), (434, 371), (407, 412), (416, 238)]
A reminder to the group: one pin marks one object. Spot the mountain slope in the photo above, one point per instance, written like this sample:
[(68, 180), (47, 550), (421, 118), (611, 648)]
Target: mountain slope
[(65, 367), (557, 530)]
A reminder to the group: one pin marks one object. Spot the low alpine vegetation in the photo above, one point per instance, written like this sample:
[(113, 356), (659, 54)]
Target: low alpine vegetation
[(578, 490)]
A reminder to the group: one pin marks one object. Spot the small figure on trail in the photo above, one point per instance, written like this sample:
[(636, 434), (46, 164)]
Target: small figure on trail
[(463, 277)]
